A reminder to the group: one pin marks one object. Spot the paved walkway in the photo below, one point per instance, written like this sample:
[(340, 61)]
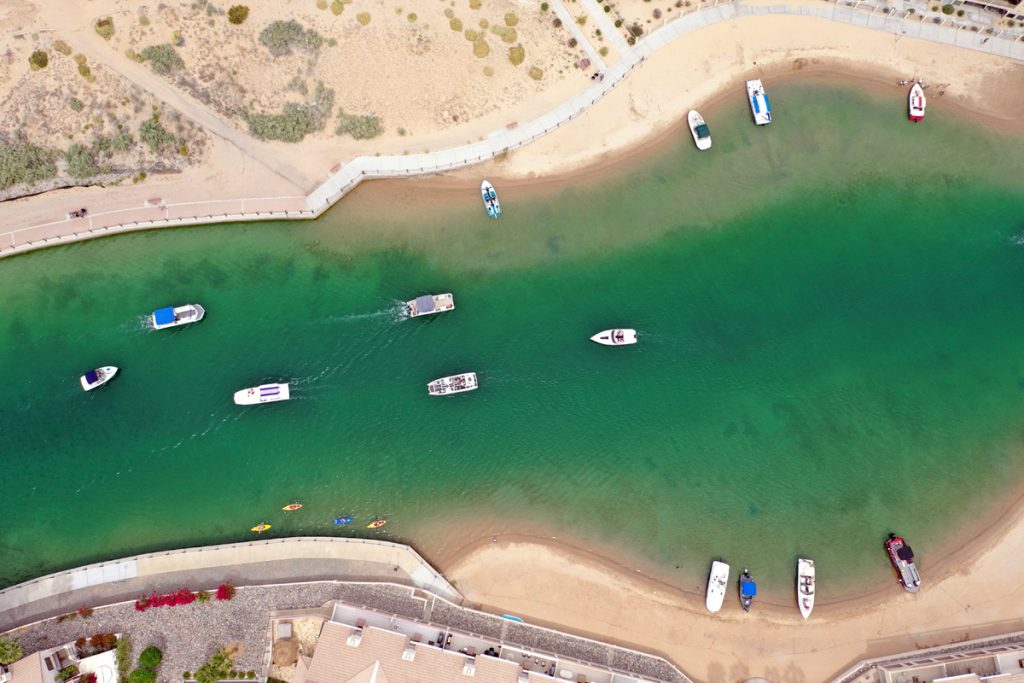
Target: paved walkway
[(252, 563), (880, 17)]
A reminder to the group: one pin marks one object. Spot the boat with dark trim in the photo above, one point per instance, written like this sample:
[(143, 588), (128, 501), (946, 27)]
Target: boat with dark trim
[(264, 393), (759, 104), (902, 557), (916, 103), (748, 589), (699, 130), (805, 586), (98, 377), (428, 304), (490, 197), (615, 337), (174, 316), (453, 384)]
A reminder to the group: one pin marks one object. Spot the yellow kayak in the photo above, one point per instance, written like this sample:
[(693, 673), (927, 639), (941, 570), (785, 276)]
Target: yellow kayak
[(260, 528), (377, 524), (292, 506)]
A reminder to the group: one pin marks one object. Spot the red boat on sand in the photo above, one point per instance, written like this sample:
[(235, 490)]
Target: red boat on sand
[(902, 558)]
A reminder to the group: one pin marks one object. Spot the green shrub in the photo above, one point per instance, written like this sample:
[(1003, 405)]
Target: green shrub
[(154, 135), (455, 24), (363, 18), (337, 7), (536, 73), (295, 121), (250, 675), (237, 14), (359, 127), (187, 675), (75, 104), (151, 657), (948, 9), (62, 47), (39, 59), (67, 673), (10, 648), (511, 19), (543, 7), (105, 27), (202, 597), (22, 162), (142, 676), (481, 49), (163, 59), (215, 669), (507, 34), (516, 55), (123, 654), (281, 36), (81, 162)]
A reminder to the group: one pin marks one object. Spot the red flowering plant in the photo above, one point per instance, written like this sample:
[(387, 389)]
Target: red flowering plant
[(225, 591), (182, 596)]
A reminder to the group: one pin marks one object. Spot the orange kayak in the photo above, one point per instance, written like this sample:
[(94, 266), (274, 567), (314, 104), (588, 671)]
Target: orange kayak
[(377, 524), (292, 506), (260, 528)]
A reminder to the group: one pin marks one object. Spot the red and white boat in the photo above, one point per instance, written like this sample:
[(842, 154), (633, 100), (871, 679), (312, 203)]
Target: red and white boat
[(902, 558), (916, 103)]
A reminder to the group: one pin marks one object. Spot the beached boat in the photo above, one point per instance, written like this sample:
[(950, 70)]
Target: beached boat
[(748, 589), (455, 384), (700, 131), (616, 337), (264, 393), (805, 586), (260, 528), (916, 103), (98, 377), (759, 105), (490, 198), (376, 524), (291, 507), (717, 581), (902, 558), (173, 316), (428, 304), (342, 521)]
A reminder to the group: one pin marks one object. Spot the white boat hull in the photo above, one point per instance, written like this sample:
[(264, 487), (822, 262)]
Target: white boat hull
[(490, 197), (615, 337), (264, 393), (805, 586), (760, 107), (717, 582), (701, 137), (429, 305), (183, 315), (916, 103), (454, 384), (103, 375)]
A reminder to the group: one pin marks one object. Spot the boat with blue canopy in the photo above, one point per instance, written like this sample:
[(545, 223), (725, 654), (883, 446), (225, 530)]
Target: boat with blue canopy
[(490, 198), (173, 316), (748, 590), (98, 377), (428, 304), (759, 104)]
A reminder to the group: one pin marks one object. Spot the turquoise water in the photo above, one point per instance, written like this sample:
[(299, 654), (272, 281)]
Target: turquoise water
[(830, 320)]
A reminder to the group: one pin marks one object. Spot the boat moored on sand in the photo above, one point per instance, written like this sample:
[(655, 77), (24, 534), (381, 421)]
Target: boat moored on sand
[(902, 558), (98, 377), (264, 393), (699, 130), (717, 582), (428, 304), (916, 103), (615, 337), (173, 316), (759, 104), (805, 586), (490, 197), (453, 384), (748, 589)]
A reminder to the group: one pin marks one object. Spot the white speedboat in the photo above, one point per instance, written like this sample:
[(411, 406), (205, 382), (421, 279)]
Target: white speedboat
[(700, 131), (490, 198), (163, 318), (717, 582), (805, 586), (455, 384), (429, 304), (916, 103), (98, 377), (759, 104), (617, 337), (264, 393)]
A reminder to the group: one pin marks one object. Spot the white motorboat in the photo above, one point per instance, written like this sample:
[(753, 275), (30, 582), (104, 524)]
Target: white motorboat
[(717, 582), (616, 337), (700, 131), (264, 393), (759, 105), (455, 384), (916, 103), (98, 377), (805, 586), (428, 304), (490, 198), (173, 316)]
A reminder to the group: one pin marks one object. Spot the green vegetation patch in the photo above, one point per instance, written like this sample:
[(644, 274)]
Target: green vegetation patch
[(142, 676), (75, 104), (481, 49), (163, 59), (295, 121), (281, 37), (21, 162), (10, 648), (237, 14), (506, 33), (105, 27), (363, 18), (455, 24), (536, 73), (151, 657), (81, 161), (216, 668), (39, 59), (516, 55), (155, 136), (359, 127), (62, 47), (337, 7), (511, 19)]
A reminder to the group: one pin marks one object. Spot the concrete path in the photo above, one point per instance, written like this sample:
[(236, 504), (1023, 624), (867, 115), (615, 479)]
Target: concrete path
[(878, 17), (283, 560)]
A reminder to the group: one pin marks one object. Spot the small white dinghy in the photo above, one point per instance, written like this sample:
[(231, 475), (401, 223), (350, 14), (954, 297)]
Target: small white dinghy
[(700, 131), (805, 586), (490, 198), (916, 103), (98, 377), (616, 337), (454, 384), (264, 393), (717, 582), (428, 304), (173, 316)]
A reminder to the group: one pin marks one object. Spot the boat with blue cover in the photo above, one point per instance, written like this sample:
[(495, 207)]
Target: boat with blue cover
[(428, 304), (98, 377), (490, 198), (342, 521), (759, 104), (264, 393), (748, 589), (173, 316)]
